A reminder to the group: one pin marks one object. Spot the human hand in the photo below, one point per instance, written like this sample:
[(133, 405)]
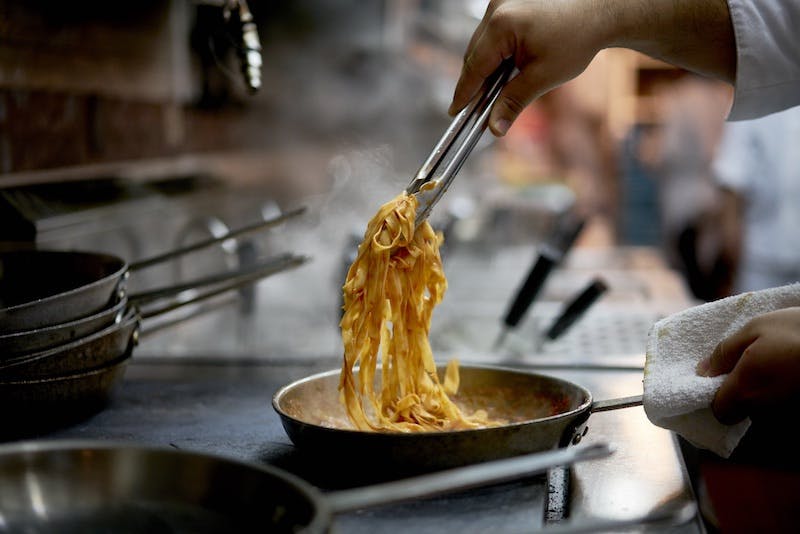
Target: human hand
[(552, 41), (763, 359), (533, 33)]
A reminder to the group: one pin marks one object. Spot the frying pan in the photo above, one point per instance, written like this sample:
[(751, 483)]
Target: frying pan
[(42, 405), (67, 384), (541, 413), (37, 339), (102, 346), (84, 354), (39, 288), (67, 486), (25, 342), (61, 386)]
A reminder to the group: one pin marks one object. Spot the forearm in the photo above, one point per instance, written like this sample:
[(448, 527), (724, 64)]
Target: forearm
[(693, 34), (552, 41)]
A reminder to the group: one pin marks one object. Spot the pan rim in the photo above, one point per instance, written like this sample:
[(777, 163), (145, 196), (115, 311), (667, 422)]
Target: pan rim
[(583, 407), (118, 362), (99, 282), (119, 306), (131, 315), (321, 512)]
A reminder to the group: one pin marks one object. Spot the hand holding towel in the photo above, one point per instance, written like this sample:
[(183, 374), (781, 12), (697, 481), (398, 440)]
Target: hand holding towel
[(675, 397)]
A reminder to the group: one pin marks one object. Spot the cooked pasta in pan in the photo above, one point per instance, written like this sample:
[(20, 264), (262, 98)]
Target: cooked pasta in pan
[(391, 289)]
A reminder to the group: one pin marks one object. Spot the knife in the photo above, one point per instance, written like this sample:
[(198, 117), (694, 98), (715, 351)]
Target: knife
[(550, 255), (573, 311)]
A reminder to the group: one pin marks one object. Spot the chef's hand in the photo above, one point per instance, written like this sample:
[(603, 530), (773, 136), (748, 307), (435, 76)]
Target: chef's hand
[(552, 41), (763, 359), (533, 33)]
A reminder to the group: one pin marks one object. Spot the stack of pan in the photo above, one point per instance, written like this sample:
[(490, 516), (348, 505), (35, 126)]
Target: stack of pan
[(68, 326)]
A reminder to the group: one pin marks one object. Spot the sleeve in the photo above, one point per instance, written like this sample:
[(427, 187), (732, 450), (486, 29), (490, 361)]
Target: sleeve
[(731, 166), (767, 55)]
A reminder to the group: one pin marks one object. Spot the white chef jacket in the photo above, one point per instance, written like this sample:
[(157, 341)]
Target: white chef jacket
[(768, 56), (760, 160)]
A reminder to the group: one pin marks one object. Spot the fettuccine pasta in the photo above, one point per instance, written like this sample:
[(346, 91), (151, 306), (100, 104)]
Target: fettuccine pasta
[(389, 295)]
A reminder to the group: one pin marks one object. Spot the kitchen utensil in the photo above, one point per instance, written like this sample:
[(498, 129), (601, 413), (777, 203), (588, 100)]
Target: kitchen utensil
[(40, 288), (66, 384), (255, 271), (85, 354), (576, 308), (37, 406), (205, 243), (248, 45), (107, 344), (67, 486), (541, 413), (551, 253), (25, 342), (29, 341), (451, 151)]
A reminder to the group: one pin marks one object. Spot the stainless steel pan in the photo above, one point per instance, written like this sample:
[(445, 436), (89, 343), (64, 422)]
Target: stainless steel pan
[(107, 344), (542, 412), (38, 339), (27, 342), (61, 386), (76, 487), (68, 384), (40, 288), (84, 354), (102, 487), (35, 407)]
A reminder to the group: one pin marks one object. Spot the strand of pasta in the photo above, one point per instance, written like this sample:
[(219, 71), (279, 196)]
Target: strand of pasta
[(391, 289)]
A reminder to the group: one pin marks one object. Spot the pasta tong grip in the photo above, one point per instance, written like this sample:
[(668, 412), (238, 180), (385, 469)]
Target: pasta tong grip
[(447, 157)]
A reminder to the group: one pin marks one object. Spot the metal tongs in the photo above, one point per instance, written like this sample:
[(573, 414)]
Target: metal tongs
[(458, 140)]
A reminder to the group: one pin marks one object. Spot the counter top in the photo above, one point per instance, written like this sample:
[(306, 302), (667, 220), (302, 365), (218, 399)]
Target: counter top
[(208, 386), (224, 407)]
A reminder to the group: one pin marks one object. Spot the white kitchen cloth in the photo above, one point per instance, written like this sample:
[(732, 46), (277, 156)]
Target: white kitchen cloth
[(676, 398)]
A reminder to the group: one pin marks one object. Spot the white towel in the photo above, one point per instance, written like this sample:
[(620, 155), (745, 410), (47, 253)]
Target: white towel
[(676, 398)]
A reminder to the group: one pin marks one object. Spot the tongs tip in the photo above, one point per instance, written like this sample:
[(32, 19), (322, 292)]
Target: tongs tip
[(461, 136)]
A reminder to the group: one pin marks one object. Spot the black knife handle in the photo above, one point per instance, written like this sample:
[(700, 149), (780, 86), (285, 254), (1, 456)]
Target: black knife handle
[(533, 284), (552, 253), (576, 308)]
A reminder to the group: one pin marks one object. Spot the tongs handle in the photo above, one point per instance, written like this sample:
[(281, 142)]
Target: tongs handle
[(473, 119)]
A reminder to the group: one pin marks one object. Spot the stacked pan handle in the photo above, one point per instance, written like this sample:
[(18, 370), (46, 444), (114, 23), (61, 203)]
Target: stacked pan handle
[(69, 326)]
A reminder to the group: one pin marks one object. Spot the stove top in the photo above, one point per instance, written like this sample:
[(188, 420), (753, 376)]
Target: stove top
[(224, 407)]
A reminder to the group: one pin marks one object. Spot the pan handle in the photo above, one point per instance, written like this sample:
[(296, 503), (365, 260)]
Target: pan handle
[(670, 515), (154, 260), (150, 329), (229, 281), (250, 273), (578, 428), (616, 404), (462, 478), (235, 281)]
